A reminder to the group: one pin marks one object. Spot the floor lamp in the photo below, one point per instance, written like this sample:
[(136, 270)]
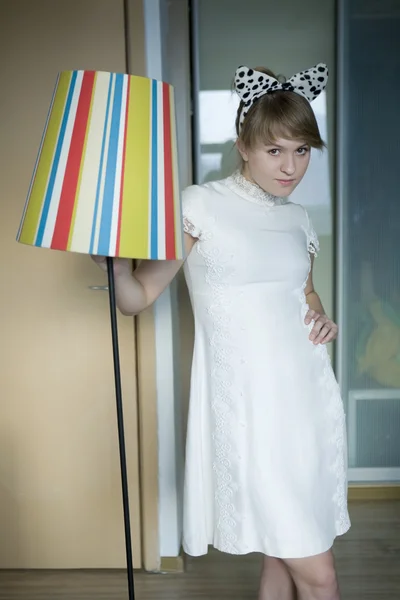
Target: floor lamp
[(105, 183)]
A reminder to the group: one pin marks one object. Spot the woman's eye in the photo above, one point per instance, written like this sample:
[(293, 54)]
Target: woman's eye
[(274, 152), (302, 151)]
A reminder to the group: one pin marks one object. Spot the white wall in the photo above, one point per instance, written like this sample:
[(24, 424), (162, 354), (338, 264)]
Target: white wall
[(166, 37)]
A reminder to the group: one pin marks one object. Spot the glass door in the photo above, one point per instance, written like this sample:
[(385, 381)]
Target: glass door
[(368, 240)]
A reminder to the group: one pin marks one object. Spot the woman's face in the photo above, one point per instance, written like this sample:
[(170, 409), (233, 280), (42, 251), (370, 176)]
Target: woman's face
[(279, 168)]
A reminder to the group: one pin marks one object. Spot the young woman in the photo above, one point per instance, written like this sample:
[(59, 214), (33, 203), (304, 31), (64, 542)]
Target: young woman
[(266, 446)]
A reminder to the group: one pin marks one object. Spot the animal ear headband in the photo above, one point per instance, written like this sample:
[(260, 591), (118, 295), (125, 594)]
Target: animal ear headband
[(252, 85)]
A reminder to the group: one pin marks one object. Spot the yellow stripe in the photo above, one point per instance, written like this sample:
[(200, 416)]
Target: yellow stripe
[(78, 187), (135, 210), (175, 179), (34, 209)]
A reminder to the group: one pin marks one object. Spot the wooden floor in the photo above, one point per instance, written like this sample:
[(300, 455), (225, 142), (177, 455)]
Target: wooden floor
[(368, 562)]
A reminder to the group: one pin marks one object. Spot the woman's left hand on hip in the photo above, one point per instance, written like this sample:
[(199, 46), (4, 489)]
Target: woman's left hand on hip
[(324, 329)]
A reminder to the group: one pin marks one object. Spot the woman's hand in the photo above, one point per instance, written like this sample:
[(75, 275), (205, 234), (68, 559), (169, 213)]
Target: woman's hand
[(122, 266), (324, 330)]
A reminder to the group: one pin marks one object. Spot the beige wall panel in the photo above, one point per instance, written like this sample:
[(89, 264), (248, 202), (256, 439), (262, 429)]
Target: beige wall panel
[(60, 491)]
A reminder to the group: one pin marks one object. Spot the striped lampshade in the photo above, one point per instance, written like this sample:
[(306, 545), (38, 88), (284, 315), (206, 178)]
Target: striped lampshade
[(106, 178)]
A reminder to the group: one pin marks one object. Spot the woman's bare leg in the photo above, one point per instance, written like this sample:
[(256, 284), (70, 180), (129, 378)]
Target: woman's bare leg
[(276, 581), (315, 577)]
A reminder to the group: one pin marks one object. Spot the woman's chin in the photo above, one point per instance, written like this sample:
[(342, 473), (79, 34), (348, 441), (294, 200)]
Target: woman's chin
[(283, 191)]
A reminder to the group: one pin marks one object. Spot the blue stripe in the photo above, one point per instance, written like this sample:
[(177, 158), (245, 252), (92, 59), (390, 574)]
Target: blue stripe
[(111, 168), (56, 161), (154, 174), (103, 145), (38, 157)]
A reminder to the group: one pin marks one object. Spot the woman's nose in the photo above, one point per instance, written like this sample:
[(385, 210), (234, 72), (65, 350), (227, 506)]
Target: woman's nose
[(288, 165)]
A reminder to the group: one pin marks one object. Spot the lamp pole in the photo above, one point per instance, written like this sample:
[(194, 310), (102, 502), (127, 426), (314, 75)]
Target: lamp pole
[(120, 421)]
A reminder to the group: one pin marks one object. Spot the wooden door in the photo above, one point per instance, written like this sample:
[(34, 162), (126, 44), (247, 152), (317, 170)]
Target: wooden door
[(60, 498)]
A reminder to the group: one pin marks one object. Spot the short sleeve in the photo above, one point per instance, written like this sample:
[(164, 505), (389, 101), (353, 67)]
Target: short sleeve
[(312, 238), (191, 211)]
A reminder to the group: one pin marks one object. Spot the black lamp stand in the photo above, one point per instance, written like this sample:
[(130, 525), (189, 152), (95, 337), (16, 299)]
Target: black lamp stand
[(121, 435)]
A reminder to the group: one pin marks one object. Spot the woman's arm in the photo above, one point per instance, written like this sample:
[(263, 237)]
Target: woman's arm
[(324, 329), (138, 290), (313, 299)]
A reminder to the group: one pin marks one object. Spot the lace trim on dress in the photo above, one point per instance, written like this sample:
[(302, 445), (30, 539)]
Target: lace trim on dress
[(312, 238), (251, 191), (190, 228), (312, 242), (223, 392)]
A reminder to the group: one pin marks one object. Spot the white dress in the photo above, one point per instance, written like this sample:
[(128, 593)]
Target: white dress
[(266, 455)]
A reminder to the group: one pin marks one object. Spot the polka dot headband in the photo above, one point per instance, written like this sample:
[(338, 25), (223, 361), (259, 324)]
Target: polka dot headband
[(252, 85)]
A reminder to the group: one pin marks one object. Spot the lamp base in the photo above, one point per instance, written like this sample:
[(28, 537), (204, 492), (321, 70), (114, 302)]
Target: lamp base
[(120, 420)]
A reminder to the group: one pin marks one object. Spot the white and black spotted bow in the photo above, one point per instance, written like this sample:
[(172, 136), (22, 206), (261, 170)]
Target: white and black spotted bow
[(251, 85)]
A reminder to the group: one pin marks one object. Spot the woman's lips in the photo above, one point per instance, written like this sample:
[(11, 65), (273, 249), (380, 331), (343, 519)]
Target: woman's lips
[(285, 182)]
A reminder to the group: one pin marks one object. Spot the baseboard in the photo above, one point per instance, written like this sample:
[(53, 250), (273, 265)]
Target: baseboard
[(172, 564), (373, 492)]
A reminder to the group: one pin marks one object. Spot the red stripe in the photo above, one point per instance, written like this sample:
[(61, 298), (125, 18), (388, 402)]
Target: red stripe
[(168, 180), (123, 168), (71, 176)]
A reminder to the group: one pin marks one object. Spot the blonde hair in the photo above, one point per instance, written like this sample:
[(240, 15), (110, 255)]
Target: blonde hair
[(279, 114)]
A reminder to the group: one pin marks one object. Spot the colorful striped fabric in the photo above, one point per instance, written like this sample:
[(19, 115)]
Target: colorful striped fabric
[(106, 178)]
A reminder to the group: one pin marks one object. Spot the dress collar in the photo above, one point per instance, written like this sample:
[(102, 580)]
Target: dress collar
[(251, 191)]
